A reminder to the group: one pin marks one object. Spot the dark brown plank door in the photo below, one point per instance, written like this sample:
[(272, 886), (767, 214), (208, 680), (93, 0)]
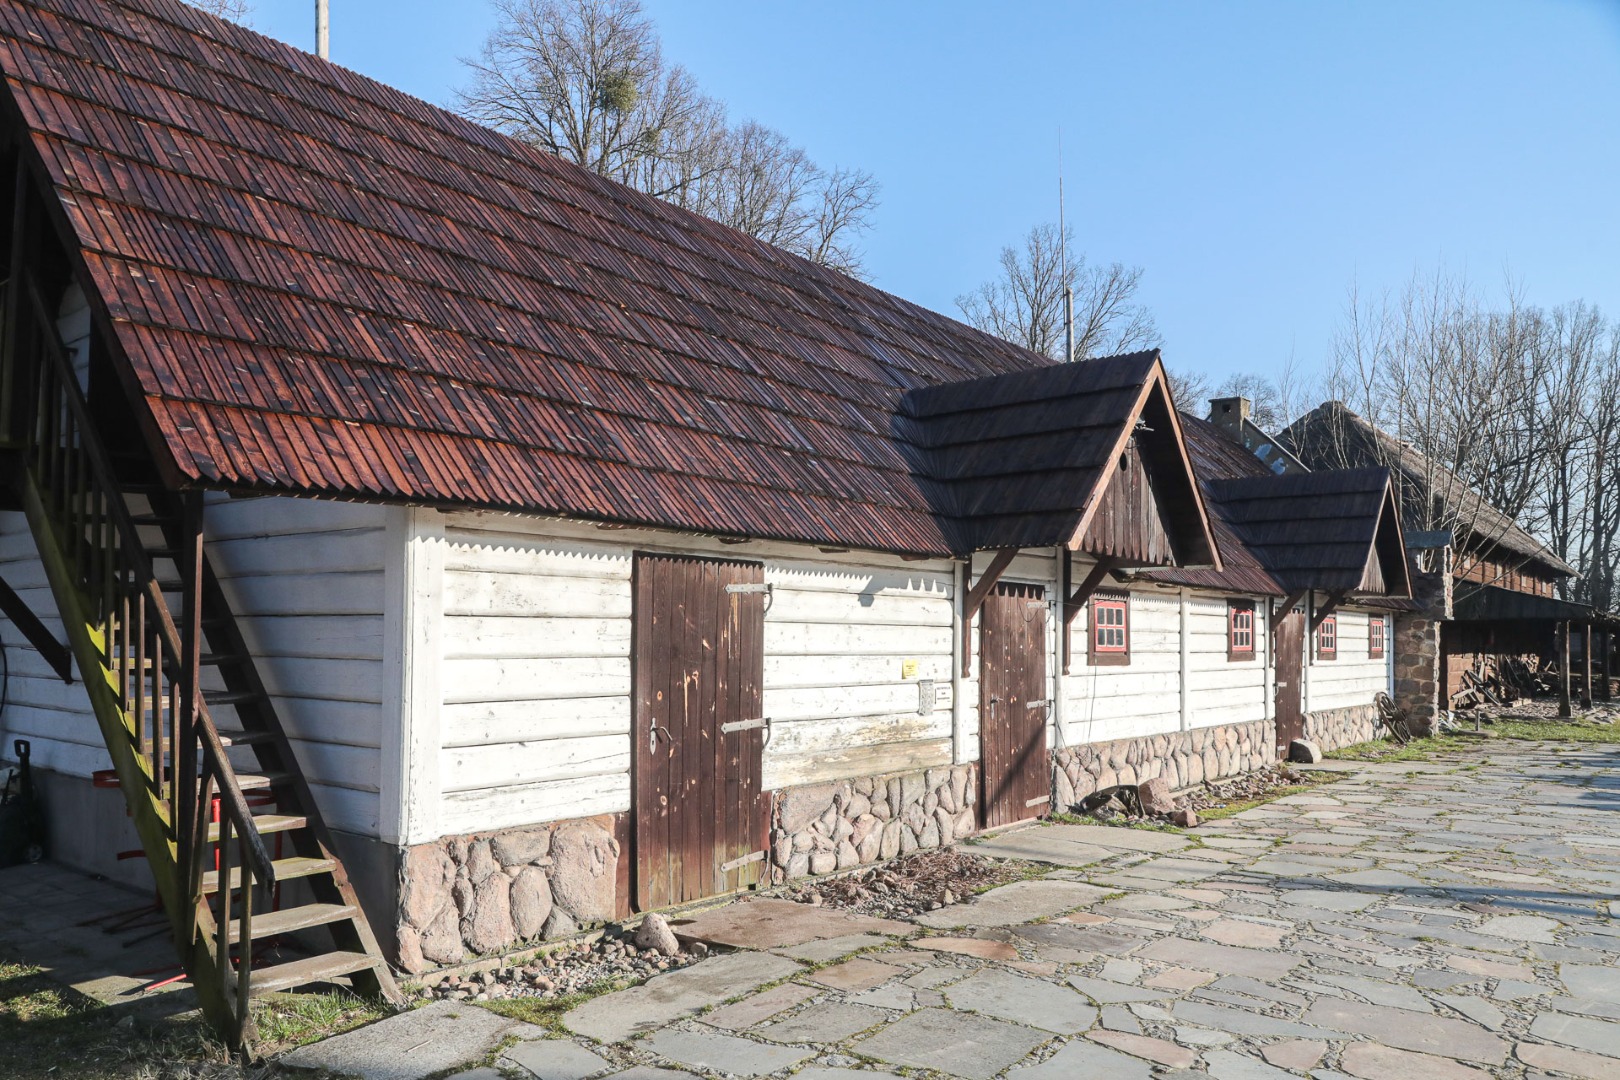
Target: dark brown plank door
[(1014, 775), (697, 739), (1289, 641)]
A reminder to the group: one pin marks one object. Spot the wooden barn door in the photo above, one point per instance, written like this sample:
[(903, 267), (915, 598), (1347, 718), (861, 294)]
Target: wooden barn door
[(702, 817), (1289, 641), (1015, 777)]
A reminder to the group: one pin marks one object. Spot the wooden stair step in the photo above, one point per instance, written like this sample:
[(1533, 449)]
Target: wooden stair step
[(259, 781), (322, 968), (291, 920), (266, 824), (245, 738), (289, 869), (231, 697)]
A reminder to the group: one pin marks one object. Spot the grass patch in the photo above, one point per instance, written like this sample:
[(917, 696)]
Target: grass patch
[(547, 1013), (1216, 813), (51, 1031), (1384, 750), (1555, 731), (289, 1020)]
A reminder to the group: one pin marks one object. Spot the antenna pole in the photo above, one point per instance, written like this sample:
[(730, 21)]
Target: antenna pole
[(323, 44), (1063, 257)]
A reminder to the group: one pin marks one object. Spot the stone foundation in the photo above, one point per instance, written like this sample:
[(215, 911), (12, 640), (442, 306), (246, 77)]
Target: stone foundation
[(820, 828), (1331, 729), (1183, 758), (489, 892)]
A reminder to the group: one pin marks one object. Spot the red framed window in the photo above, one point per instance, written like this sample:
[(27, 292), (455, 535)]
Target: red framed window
[(1110, 629), (1375, 638), (1240, 630), (1327, 639)]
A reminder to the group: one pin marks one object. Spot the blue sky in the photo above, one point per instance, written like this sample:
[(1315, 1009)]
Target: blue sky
[(1254, 159)]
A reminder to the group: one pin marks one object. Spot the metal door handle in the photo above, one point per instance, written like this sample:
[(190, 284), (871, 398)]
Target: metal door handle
[(652, 736)]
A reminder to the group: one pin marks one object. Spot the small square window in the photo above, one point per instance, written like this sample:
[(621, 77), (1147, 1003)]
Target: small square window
[(1240, 630), (1327, 639), (1375, 638), (1110, 629)]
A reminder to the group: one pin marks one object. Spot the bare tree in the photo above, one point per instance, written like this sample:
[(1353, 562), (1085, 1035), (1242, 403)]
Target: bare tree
[(1025, 305), (1497, 416), (587, 80), (237, 11), (1191, 390)]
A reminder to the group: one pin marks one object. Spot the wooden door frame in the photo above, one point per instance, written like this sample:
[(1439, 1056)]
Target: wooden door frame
[(1039, 656), (746, 694), (1294, 681)]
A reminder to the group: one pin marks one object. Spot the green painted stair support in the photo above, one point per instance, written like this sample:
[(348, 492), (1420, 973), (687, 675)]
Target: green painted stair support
[(144, 653)]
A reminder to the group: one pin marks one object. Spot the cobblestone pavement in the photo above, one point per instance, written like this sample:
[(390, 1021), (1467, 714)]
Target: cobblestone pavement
[(1427, 920)]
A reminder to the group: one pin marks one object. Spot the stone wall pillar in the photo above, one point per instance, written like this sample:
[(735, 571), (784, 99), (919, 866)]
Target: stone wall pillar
[(1416, 641)]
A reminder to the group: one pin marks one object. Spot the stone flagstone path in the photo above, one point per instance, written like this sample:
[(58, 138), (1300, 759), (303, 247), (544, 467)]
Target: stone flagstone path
[(1424, 920)]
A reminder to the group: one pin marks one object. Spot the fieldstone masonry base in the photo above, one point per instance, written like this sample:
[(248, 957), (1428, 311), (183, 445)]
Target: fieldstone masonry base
[(1182, 758), (487, 893), (1331, 729), (820, 828)]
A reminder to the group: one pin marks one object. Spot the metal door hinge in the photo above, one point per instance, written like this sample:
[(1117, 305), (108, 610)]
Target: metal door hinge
[(1039, 801), (744, 725), (1044, 703), (750, 587)]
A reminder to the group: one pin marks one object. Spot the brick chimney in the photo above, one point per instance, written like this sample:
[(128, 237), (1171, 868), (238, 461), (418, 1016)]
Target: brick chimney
[(1229, 414)]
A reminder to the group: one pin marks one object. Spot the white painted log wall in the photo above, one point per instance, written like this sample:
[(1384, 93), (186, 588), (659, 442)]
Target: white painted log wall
[(305, 580), (1354, 678), (1224, 691), (535, 723), (54, 716), (1127, 701)]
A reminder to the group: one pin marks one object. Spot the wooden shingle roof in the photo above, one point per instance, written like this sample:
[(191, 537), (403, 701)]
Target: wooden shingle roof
[(316, 284), (1299, 531), (1336, 531)]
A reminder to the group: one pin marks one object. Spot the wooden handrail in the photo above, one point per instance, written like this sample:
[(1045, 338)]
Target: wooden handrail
[(93, 475)]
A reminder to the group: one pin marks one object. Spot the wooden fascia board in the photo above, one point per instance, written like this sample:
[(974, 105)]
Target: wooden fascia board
[(1389, 516), (1155, 381), (976, 595)]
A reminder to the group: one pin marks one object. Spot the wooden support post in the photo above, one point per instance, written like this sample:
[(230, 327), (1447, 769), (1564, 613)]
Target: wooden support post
[(1563, 670), (975, 599), (1075, 601), (188, 816), (1609, 650), (1586, 665)]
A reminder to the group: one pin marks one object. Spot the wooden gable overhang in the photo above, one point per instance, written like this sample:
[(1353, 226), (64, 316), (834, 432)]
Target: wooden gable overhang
[(1388, 571), (1087, 456), (1147, 509), (1335, 532)]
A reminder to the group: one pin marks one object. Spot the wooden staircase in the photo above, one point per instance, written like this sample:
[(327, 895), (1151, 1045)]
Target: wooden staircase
[(201, 756)]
